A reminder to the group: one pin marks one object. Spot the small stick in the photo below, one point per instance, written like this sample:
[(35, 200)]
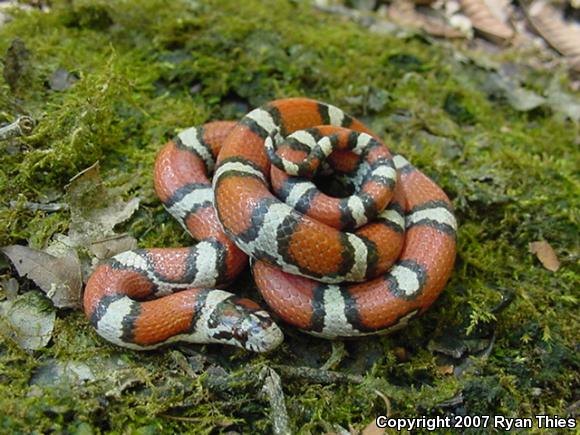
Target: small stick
[(36, 206), (338, 354), (319, 376), (23, 126), (273, 390)]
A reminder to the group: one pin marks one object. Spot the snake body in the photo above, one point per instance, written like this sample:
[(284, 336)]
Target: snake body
[(332, 266)]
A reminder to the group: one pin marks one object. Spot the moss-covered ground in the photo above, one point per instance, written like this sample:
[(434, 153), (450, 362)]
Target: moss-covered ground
[(145, 70)]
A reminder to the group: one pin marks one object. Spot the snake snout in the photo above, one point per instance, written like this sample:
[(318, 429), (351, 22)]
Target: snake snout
[(263, 335)]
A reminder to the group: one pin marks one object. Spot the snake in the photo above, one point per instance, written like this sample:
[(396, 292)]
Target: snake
[(345, 238)]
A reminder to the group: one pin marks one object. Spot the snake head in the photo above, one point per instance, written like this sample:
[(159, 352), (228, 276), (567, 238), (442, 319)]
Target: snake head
[(243, 323)]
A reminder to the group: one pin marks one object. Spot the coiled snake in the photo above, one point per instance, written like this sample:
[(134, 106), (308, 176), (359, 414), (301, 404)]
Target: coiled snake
[(333, 266)]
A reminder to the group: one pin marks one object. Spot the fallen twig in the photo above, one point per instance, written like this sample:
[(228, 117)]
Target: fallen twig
[(23, 126), (318, 376), (37, 206), (338, 354), (273, 390)]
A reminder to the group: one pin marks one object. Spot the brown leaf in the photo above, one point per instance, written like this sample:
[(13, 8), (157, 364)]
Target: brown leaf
[(95, 210), (110, 246), (445, 370), (561, 35), (545, 254), (58, 277), (482, 18), (372, 429), (404, 13), (401, 354)]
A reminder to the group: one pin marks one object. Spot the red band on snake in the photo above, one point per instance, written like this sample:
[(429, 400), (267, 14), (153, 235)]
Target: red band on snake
[(332, 266)]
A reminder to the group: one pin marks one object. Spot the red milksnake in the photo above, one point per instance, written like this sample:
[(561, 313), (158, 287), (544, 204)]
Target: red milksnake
[(333, 267)]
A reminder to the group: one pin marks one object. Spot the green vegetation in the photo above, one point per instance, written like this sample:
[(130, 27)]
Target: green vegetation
[(138, 72)]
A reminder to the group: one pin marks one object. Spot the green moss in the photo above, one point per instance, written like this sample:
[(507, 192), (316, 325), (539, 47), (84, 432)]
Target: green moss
[(149, 69)]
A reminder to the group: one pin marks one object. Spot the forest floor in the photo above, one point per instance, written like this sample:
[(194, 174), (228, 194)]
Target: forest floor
[(110, 82)]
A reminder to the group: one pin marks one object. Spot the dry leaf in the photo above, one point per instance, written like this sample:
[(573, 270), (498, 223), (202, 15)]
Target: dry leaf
[(63, 373), (518, 97), (61, 80), (372, 429), (10, 287), (485, 21), (563, 102), (562, 35), (110, 246), (58, 277), (401, 354), (405, 14), (95, 210), (28, 320), (445, 370), (545, 254)]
